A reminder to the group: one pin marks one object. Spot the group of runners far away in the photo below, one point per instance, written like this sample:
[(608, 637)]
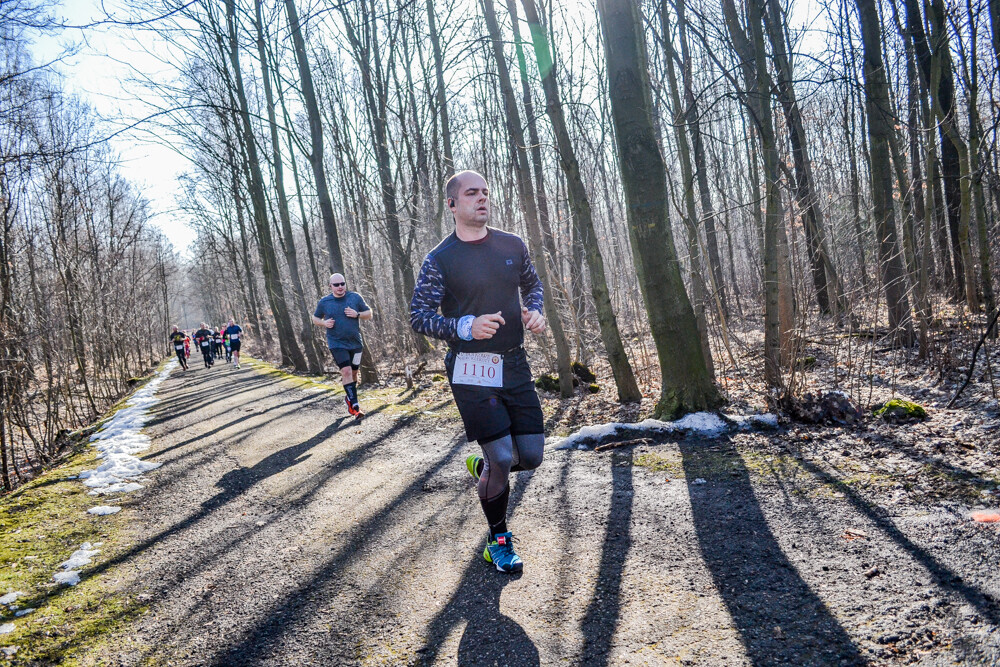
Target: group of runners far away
[(478, 291), (213, 344)]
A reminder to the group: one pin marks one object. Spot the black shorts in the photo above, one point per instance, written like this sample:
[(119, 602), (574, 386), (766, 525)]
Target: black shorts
[(345, 357), (181, 355), (493, 412), (234, 345)]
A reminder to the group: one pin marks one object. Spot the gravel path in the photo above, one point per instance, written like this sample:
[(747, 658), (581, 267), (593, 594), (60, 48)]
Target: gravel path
[(277, 532)]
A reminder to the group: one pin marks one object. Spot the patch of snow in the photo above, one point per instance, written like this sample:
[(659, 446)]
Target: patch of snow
[(699, 481), (81, 556), (747, 422), (704, 424), (6, 628), (24, 612), (102, 510), (121, 438), (10, 597), (71, 578), (120, 487)]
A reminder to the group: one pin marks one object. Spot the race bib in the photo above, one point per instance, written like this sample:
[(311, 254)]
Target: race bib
[(178, 347), (234, 336), (484, 369), (204, 343)]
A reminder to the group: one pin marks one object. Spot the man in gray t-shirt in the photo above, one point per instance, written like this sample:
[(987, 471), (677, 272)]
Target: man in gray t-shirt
[(341, 313)]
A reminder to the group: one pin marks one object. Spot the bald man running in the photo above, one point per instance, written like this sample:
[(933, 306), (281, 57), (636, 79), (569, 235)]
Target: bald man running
[(486, 288), (340, 312)]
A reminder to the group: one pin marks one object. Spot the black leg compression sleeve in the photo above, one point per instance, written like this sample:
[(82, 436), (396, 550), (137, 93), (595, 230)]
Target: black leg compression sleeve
[(351, 389), (527, 453), (495, 510)]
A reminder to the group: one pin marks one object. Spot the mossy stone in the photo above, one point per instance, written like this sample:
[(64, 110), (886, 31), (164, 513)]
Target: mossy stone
[(581, 371), (899, 409), (437, 377), (805, 362), (547, 382), (593, 387)]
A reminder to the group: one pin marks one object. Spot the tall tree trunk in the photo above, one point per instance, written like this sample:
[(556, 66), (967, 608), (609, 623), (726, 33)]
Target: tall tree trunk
[(947, 117), (313, 270), (994, 26), (829, 293), (316, 134), (686, 384), (758, 100), (880, 125), (535, 148), (944, 97), (306, 335), (693, 121), (526, 192), (290, 352), (583, 222), (975, 168), (365, 48), (250, 294), (440, 90), (680, 119)]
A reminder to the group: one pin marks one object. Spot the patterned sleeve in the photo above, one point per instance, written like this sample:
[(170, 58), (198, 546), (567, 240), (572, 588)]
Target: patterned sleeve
[(532, 293), (427, 297)]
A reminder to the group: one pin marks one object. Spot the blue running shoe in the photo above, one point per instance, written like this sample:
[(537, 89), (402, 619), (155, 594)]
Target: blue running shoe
[(474, 464), (500, 552)]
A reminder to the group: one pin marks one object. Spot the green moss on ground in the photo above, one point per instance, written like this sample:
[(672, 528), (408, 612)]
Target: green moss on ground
[(547, 382), (319, 382), (805, 362), (390, 400), (899, 409), (41, 524)]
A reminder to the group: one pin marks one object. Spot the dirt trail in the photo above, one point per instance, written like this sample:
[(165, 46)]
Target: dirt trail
[(278, 532)]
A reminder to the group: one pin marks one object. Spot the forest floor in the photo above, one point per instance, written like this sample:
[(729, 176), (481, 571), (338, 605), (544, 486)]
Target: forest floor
[(280, 532)]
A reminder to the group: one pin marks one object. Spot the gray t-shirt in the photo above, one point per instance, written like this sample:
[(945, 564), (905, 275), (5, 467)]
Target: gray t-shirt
[(346, 333)]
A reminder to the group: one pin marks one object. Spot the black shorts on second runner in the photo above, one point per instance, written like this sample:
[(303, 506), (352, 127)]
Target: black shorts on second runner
[(234, 345), (345, 357), (493, 412), (181, 356)]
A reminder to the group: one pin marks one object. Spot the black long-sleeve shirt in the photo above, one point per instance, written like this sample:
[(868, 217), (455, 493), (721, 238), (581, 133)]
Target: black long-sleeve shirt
[(476, 278)]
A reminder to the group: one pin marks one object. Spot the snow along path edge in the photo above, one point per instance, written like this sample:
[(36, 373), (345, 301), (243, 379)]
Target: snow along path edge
[(121, 439), (705, 424)]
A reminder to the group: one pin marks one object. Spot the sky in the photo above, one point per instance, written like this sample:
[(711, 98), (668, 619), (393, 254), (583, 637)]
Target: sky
[(99, 72), (105, 58)]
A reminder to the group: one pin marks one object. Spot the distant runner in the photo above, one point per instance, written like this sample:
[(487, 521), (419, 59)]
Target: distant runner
[(217, 346), (340, 312), (187, 346), (177, 338), (203, 337), (225, 342), (233, 332), (480, 278)]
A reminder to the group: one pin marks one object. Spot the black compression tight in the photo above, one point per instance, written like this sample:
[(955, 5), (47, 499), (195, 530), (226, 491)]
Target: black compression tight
[(503, 455)]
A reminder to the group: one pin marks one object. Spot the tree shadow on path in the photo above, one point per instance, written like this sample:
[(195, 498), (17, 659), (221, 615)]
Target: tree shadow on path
[(779, 617), (604, 610), (490, 637), (945, 577)]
